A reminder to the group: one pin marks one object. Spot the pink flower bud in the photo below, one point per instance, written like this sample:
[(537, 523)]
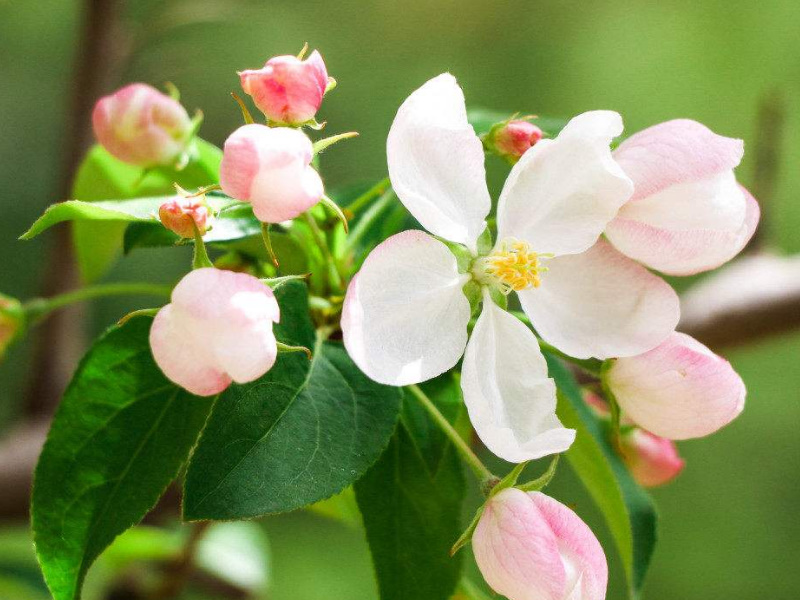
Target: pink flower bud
[(678, 390), (511, 140), (11, 321), (529, 546), (217, 329), (600, 408), (182, 214), (288, 90), (141, 126), (687, 214), (652, 460), (270, 168)]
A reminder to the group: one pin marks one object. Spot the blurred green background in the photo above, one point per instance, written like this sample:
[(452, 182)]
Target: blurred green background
[(729, 524)]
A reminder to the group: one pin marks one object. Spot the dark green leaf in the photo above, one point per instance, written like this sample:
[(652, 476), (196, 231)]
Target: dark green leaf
[(627, 508), (303, 432), (119, 437), (411, 503)]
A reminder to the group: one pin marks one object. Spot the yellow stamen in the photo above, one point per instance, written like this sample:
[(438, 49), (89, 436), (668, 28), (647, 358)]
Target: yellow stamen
[(512, 266)]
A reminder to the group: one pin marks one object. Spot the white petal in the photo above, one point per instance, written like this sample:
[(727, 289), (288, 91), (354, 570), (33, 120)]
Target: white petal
[(562, 193), (510, 399), (436, 162), (405, 315), (601, 304)]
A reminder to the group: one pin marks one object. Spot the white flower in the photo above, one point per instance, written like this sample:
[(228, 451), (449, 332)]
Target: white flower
[(405, 316)]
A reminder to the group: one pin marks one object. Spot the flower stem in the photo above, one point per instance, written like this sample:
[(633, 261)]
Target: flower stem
[(338, 276), (371, 194), (370, 216), (200, 259), (481, 471), (38, 308)]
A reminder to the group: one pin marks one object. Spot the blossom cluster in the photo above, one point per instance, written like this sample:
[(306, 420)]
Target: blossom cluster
[(578, 233)]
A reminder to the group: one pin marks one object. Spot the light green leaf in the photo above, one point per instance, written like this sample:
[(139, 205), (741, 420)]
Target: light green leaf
[(411, 505), (103, 177), (302, 433), (627, 508), (119, 437)]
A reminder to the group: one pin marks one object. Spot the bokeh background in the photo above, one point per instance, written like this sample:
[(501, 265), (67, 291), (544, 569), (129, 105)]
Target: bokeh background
[(729, 524)]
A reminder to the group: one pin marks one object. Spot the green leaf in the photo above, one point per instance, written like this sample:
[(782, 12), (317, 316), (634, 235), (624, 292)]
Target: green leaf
[(627, 508), (302, 433), (118, 439), (103, 177), (411, 503), (121, 211)]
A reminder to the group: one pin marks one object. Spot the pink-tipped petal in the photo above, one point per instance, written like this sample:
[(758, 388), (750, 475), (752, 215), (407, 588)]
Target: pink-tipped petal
[(141, 126), (288, 90), (678, 390), (405, 314), (217, 329), (675, 152), (601, 304), (529, 546), (436, 162), (510, 399), (270, 168), (562, 193), (652, 460), (687, 214)]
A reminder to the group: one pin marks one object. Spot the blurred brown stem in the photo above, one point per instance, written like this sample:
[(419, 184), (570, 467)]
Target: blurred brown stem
[(58, 347), (178, 573)]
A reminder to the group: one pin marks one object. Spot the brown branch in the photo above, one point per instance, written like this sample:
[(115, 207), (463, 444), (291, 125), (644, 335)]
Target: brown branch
[(753, 298), (58, 346)]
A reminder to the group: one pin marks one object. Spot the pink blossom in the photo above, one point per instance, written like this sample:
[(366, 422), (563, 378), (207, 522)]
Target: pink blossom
[(183, 214), (687, 213), (529, 546), (141, 126), (270, 167), (217, 329), (288, 90), (511, 140), (652, 460), (678, 390)]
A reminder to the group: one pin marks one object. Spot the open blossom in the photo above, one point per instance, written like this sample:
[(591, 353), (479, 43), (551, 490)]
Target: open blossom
[(270, 167), (405, 315), (652, 460), (288, 90), (511, 140), (529, 546), (141, 126), (183, 215), (678, 390), (217, 329), (687, 213)]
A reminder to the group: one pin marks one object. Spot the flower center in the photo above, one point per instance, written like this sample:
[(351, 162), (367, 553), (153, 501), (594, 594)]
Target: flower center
[(512, 266)]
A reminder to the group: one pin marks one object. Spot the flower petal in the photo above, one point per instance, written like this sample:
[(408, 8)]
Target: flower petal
[(675, 152), (562, 193), (578, 546), (601, 304), (183, 356), (510, 399), (682, 251), (405, 315), (436, 162), (679, 390)]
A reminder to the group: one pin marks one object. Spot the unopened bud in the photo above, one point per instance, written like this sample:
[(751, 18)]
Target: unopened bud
[(141, 126), (11, 321), (652, 460), (182, 214), (288, 90), (512, 139)]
